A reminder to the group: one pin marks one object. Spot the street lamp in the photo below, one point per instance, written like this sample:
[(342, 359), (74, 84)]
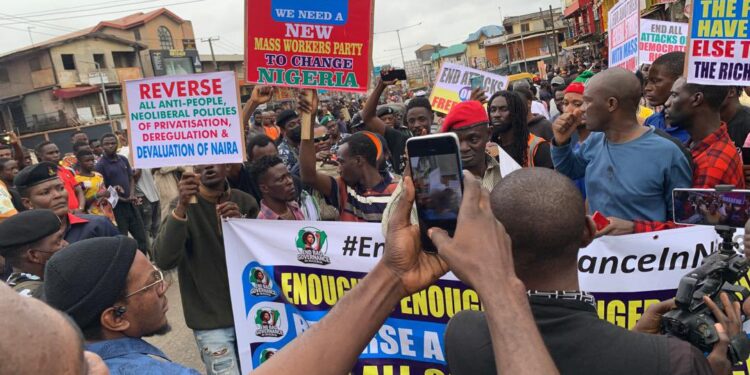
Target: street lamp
[(104, 88)]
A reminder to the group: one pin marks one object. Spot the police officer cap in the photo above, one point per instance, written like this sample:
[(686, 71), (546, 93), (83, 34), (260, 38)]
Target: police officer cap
[(88, 277), (26, 228), (35, 175), (385, 110)]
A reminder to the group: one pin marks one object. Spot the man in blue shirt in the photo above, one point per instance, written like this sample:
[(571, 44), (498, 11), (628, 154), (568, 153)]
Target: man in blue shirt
[(117, 172), (629, 170), (665, 70), (116, 296)]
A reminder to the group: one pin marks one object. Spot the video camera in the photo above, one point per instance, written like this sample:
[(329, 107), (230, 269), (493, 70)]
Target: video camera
[(692, 320)]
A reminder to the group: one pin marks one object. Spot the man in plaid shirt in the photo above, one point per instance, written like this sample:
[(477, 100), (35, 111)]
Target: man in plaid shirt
[(716, 160)]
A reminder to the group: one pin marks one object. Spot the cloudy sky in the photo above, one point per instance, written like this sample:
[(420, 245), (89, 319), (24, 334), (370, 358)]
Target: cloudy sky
[(442, 21)]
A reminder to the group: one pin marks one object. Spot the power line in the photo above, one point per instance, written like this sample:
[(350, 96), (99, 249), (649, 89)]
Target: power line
[(26, 30), (111, 12), (73, 9), (40, 24), (61, 10)]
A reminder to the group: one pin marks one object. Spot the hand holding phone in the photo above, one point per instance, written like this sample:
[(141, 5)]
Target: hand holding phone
[(600, 220), (393, 75), (435, 163)]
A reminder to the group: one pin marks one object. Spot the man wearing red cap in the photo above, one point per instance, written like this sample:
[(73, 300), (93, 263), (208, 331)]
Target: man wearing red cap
[(470, 122)]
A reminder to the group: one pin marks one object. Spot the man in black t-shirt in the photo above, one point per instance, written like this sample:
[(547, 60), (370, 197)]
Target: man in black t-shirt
[(545, 250), (737, 116)]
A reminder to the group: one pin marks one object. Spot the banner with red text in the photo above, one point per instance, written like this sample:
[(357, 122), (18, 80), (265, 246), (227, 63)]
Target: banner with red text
[(184, 120), (309, 44), (659, 38), (453, 85), (719, 50), (623, 28)]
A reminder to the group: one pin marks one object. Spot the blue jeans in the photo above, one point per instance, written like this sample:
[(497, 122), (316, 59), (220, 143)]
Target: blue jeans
[(218, 351)]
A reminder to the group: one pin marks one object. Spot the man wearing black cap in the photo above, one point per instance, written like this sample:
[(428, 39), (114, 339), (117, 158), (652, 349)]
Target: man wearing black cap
[(27, 241), (190, 239), (41, 188), (289, 145), (116, 296)]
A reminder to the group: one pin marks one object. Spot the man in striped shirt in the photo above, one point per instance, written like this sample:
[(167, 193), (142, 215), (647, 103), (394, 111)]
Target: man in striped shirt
[(361, 192)]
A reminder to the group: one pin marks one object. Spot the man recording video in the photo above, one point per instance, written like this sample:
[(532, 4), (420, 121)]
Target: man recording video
[(545, 249)]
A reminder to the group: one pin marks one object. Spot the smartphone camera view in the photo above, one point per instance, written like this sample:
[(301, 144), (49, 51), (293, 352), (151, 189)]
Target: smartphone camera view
[(438, 186), (709, 207)]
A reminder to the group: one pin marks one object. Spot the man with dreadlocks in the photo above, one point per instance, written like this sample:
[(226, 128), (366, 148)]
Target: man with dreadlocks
[(508, 114)]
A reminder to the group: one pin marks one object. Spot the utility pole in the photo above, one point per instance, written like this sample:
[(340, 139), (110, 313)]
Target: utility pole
[(104, 88), (398, 35), (210, 41), (28, 28), (554, 35), (546, 34)]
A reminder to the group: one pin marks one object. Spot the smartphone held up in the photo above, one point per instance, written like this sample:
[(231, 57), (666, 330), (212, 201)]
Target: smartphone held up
[(711, 207), (435, 162)]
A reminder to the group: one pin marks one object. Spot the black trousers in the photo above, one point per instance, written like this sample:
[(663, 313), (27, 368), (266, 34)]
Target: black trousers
[(129, 222)]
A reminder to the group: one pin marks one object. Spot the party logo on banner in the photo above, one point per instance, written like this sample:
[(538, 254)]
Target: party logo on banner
[(262, 285), (312, 246)]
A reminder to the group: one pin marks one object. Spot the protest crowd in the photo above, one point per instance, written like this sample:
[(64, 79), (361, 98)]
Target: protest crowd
[(90, 244)]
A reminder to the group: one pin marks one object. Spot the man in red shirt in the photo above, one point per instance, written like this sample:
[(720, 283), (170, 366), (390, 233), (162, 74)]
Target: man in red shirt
[(697, 108), (48, 151)]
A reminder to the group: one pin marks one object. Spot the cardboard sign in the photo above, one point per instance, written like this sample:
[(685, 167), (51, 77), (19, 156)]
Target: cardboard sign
[(309, 44), (623, 25), (453, 85), (184, 120), (719, 47), (659, 38)]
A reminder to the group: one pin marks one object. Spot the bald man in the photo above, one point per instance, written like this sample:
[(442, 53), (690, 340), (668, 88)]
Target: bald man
[(36, 339), (629, 170), (545, 255)]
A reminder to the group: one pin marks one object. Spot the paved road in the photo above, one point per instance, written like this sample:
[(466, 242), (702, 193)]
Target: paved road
[(179, 344)]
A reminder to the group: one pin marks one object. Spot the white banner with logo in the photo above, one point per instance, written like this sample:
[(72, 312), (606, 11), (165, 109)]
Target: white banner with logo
[(286, 275)]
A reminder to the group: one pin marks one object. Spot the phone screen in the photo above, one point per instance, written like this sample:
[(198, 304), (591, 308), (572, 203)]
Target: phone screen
[(436, 171), (711, 207), (476, 82)]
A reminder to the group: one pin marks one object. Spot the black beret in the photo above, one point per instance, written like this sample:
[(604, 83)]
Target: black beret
[(286, 116), (88, 276), (385, 110), (34, 175), (26, 228)]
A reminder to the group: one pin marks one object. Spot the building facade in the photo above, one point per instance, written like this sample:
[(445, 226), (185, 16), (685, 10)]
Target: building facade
[(169, 40), (528, 39), (58, 83), (475, 53)]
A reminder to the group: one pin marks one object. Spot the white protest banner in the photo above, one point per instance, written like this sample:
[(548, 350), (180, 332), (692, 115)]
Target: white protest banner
[(623, 24), (286, 275), (659, 38), (184, 120), (719, 47), (453, 85)]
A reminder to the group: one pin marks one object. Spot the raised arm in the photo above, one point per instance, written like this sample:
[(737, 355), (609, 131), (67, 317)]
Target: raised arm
[(373, 122), (308, 172), (261, 95)]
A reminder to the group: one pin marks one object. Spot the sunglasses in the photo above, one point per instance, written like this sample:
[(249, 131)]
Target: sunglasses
[(322, 139)]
